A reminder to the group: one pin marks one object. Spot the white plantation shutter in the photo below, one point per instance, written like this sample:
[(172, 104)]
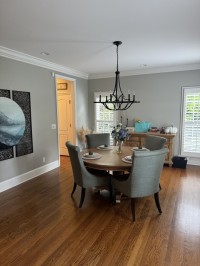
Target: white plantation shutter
[(105, 119), (191, 122)]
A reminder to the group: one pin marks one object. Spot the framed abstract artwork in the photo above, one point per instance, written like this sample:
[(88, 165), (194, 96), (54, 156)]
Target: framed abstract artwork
[(15, 124), (6, 152), (25, 145)]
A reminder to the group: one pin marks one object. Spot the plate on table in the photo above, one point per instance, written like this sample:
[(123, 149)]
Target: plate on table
[(88, 156), (127, 159), (138, 149), (103, 147)]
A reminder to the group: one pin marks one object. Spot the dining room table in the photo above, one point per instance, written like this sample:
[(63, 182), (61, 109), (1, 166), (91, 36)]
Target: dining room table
[(107, 158)]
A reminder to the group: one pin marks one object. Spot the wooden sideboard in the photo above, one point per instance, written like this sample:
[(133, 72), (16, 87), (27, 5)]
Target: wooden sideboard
[(138, 139)]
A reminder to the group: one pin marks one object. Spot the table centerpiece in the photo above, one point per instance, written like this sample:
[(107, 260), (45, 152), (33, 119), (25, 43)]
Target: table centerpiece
[(119, 134)]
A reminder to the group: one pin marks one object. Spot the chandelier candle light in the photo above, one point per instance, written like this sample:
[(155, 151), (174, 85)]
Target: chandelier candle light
[(117, 101)]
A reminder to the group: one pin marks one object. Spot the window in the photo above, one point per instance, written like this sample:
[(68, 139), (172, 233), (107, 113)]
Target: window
[(105, 119), (191, 122)]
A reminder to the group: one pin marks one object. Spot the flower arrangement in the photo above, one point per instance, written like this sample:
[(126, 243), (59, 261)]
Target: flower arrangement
[(120, 133)]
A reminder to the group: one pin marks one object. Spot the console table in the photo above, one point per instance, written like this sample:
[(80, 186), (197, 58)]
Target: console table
[(138, 139)]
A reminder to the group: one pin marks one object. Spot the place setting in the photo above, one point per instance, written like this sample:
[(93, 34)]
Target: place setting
[(105, 147), (139, 149), (127, 159), (91, 156)]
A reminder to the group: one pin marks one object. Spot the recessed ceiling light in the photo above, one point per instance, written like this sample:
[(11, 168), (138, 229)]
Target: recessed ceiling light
[(45, 53)]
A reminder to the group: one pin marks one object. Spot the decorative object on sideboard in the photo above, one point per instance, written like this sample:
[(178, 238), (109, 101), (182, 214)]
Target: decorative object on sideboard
[(154, 129), (171, 130), (130, 129), (117, 100), (126, 121), (142, 126)]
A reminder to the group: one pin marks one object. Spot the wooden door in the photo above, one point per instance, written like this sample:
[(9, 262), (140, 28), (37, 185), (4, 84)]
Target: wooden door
[(65, 121), (65, 103)]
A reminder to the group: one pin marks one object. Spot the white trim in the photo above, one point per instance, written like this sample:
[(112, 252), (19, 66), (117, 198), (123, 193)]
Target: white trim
[(181, 121), (185, 91), (147, 71), (17, 180), (15, 55), (57, 76), (193, 161), (22, 57), (74, 104), (104, 93)]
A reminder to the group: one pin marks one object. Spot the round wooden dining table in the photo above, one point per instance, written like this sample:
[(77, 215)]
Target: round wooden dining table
[(110, 160)]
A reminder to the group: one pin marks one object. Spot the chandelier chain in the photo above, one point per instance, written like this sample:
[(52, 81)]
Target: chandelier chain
[(117, 57)]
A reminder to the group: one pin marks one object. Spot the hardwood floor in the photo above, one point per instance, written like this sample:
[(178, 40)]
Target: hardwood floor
[(40, 224)]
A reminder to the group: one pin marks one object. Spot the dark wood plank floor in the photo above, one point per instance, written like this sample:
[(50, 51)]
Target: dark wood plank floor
[(40, 223)]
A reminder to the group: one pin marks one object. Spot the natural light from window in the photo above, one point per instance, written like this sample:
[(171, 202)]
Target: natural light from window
[(105, 119), (191, 122)]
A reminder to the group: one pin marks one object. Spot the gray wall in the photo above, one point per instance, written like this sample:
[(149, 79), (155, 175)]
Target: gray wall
[(160, 96), (15, 75)]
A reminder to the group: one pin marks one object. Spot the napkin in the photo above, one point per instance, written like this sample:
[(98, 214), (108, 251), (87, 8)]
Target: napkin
[(128, 158)]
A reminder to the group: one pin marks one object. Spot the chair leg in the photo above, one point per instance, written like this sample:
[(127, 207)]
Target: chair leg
[(133, 209), (74, 188), (156, 197), (112, 195), (82, 197)]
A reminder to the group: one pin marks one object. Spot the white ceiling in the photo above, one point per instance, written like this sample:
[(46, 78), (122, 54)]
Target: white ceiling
[(79, 34)]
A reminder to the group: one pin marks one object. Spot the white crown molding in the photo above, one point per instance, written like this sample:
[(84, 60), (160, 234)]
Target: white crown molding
[(15, 55), (147, 71), (15, 181)]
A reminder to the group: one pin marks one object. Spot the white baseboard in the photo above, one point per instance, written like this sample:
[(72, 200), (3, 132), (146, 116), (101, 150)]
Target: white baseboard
[(15, 181), (194, 161)]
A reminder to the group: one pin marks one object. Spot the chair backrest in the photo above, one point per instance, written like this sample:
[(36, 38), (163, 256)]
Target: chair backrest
[(78, 166), (95, 140), (145, 173), (82, 176), (154, 142)]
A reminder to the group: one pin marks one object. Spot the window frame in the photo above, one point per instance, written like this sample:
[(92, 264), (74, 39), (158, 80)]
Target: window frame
[(185, 92), (103, 94)]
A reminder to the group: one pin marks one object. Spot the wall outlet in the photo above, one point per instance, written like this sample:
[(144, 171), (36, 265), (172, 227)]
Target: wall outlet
[(44, 159)]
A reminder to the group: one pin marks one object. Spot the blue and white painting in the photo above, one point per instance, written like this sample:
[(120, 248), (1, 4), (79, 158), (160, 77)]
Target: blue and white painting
[(12, 122)]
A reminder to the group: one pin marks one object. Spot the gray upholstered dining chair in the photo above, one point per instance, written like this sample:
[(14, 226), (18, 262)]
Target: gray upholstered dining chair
[(144, 178), (154, 142), (95, 140), (82, 176)]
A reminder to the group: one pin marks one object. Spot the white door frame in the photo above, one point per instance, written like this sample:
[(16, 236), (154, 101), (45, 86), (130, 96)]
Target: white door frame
[(74, 104)]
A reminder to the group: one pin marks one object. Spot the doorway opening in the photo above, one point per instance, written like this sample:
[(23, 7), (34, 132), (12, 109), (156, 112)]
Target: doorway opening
[(65, 88)]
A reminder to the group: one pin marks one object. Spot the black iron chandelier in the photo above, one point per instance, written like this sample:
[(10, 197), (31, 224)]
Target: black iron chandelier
[(117, 101)]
